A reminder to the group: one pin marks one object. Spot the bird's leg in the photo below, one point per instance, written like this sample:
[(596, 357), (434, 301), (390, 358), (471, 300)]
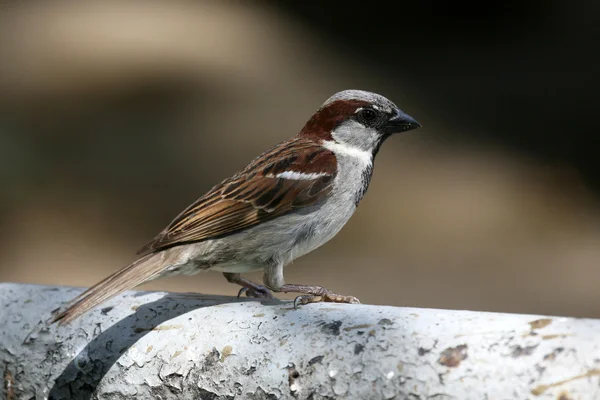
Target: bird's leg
[(252, 289), (273, 278)]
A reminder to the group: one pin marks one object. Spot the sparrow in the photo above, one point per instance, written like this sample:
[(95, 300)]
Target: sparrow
[(284, 204)]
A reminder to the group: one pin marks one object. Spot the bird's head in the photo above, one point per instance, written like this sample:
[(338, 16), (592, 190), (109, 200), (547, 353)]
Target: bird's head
[(358, 119)]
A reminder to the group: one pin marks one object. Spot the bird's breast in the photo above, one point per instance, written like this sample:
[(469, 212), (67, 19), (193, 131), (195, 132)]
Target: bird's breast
[(322, 226), (349, 187)]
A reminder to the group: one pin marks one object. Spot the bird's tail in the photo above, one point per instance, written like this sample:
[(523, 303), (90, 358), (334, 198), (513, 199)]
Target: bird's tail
[(140, 271)]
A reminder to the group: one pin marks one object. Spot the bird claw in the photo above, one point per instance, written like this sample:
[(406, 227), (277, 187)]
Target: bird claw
[(305, 299), (259, 292)]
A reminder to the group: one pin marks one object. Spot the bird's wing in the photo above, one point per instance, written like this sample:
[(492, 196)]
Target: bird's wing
[(295, 174)]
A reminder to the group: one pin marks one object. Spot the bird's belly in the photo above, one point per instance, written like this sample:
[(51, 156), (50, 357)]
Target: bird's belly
[(237, 267), (279, 241), (318, 230)]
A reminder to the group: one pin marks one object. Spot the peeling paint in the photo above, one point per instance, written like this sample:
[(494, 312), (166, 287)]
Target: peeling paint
[(332, 328), (106, 310), (358, 348), (556, 336), (350, 351), (542, 388), (9, 385), (552, 355), (158, 328), (340, 387), (422, 351), (226, 352), (564, 396), (519, 351), (452, 356), (361, 326), (178, 352), (540, 323), (315, 360), (293, 375), (460, 335)]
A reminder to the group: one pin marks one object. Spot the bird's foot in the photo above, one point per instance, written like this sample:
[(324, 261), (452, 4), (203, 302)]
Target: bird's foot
[(327, 297), (257, 291), (316, 294), (251, 289)]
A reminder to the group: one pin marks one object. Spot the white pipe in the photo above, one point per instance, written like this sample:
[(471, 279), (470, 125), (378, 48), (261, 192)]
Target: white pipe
[(164, 345)]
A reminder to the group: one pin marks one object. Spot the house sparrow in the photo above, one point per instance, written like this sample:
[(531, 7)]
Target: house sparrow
[(287, 202)]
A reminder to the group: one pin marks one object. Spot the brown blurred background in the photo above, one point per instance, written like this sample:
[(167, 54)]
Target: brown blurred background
[(116, 115)]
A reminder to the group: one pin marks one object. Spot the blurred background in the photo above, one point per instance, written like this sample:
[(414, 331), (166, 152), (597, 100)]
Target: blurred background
[(116, 115)]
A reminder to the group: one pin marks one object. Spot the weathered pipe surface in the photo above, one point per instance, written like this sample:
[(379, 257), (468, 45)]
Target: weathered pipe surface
[(145, 345)]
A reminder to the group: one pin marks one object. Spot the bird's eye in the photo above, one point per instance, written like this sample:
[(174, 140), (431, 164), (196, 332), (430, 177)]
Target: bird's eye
[(367, 115)]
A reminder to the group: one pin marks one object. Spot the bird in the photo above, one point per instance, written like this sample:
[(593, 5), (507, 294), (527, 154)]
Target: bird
[(285, 203)]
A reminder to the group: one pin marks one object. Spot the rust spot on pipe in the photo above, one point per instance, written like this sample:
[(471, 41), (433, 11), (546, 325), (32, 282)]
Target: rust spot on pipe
[(537, 324), (226, 352), (542, 388), (564, 396), (452, 356), (177, 353), (9, 385), (540, 323), (556, 336)]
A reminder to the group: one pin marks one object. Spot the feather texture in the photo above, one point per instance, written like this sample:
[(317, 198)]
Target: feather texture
[(140, 271), (258, 193), (254, 195)]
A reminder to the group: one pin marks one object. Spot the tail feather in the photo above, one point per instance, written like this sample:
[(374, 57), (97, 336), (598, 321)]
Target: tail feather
[(140, 271)]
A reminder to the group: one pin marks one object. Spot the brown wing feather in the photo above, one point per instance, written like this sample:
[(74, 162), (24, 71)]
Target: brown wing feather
[(140, 271), (254, 195)]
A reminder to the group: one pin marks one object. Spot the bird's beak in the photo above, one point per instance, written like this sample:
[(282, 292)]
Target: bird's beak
[(401, 122)]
